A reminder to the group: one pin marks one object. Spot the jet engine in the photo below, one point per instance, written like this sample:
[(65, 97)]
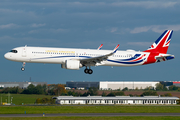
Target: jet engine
[(72, 64)]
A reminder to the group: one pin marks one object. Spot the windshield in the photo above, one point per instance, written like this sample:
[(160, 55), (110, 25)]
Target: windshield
[(13, 51)]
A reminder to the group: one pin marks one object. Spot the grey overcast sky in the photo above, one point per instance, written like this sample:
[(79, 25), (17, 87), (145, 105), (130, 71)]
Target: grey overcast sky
[(134, 24)]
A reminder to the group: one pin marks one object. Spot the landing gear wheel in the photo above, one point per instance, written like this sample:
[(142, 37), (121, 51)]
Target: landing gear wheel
[(22, 68), (86, 71), (23, 65), (90, 71)]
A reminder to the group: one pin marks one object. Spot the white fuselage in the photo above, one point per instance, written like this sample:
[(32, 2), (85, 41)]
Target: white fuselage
[(60, 55)]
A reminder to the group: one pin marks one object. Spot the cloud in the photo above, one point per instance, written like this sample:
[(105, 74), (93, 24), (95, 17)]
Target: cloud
[(147, 4), (140, 43), (11, 11), (144, 4), (26, 40), (59, 30), (38, 25), (8, 26), (141, 29), (33, 31), (113, 29), (155, 28)]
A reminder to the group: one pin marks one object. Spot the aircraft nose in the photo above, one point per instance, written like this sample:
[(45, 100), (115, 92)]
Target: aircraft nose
[(6, 56)]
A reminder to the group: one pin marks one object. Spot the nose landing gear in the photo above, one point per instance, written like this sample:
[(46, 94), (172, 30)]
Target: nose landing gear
[(24, 63), (88, 71)]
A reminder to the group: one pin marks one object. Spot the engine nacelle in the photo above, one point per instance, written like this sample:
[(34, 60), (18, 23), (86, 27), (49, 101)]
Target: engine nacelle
[(71, 64)]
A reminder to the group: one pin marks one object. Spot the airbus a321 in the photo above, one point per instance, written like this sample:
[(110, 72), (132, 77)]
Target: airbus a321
[(75, 59)]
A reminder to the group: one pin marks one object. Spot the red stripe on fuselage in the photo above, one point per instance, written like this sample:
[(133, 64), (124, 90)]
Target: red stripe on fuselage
[(138, 58)]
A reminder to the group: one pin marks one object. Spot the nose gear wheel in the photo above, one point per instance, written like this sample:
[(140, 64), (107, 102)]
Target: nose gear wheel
[(24, 63)]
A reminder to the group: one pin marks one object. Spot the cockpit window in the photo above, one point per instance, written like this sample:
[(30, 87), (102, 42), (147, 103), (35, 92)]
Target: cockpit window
[(14, 51)]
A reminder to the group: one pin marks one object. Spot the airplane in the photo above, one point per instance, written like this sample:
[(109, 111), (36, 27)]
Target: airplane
[(75, 59)]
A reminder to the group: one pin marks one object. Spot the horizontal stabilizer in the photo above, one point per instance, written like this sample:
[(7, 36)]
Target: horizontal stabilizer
[(164, 57)]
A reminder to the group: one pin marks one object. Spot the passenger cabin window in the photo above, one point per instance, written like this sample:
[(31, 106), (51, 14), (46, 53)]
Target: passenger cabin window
[(14, 51)]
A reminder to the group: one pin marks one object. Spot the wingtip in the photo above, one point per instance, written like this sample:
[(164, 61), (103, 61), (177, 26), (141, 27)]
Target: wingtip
[(116, 48)]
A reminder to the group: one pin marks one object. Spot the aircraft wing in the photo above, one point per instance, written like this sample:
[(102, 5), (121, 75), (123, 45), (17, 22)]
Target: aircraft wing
[(97, 60), (164, 57)]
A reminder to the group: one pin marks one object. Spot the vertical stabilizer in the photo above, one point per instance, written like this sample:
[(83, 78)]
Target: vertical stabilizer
[(162, 43)]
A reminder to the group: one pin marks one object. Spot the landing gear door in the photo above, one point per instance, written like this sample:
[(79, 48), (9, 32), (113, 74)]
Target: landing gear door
[(24, 51)]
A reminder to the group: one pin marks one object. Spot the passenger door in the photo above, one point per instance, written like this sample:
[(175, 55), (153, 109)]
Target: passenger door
[(24, 51)]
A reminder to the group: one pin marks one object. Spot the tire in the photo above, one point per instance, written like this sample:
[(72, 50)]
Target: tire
[(90, 71), (86, 71), (22, 68)]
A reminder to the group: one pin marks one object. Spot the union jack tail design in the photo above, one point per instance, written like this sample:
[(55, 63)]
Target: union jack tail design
[(162, 43)]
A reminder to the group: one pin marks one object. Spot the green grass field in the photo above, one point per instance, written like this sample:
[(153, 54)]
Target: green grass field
[(18, 99), (88, 109), (94, 118)]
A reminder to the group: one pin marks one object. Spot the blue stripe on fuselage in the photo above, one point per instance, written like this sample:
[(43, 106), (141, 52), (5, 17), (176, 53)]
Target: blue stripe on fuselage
[(125, 62), (137, 55)]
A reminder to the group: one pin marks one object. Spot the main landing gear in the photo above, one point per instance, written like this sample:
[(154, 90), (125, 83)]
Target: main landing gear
[(23, 66), (88, 71)]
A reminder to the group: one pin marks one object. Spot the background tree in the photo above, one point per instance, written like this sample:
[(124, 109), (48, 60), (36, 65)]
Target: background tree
[(92, 91), (168, 95), (104, 94), (136, 88), (85, 94), (71, 93), (15, 90), (173, 87), (38, 90), (179, 89), (125, 89), (31, 89), (45, 88), (38, 100), (111, 94), (120, 93), (60, 90), (149, 93), (45, 101), (149, 88), (159, 86)]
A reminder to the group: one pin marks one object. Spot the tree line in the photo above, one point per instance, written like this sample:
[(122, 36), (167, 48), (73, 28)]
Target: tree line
[(39, 89), (59, 90)]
